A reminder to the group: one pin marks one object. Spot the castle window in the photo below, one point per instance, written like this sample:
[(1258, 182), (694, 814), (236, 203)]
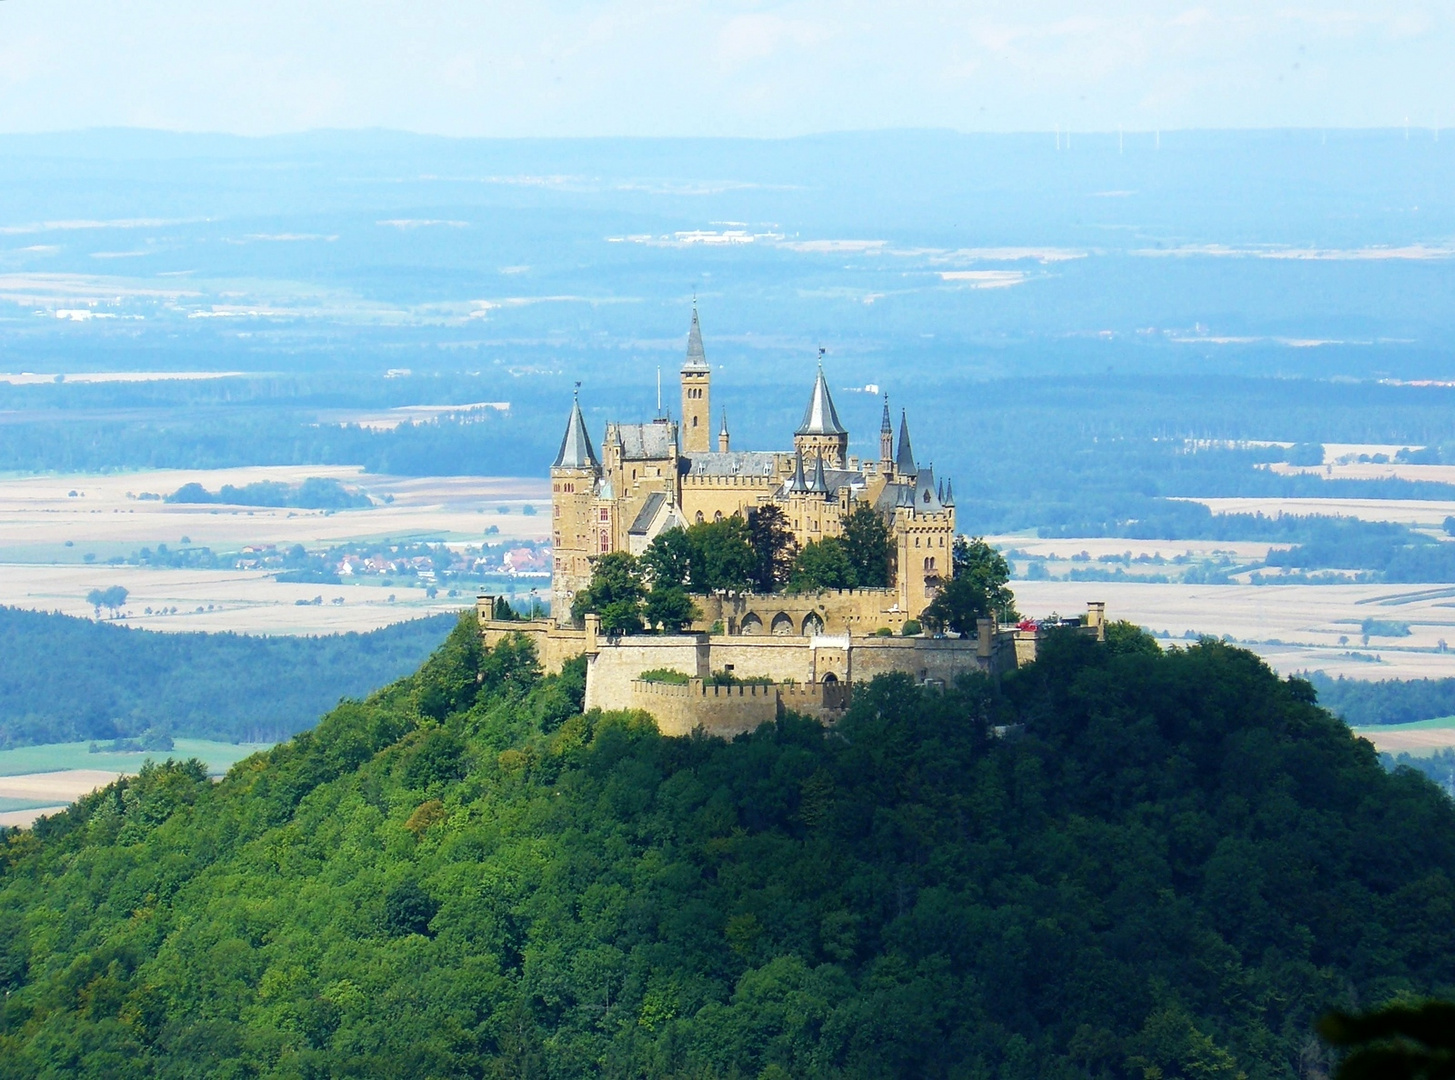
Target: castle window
[(694, 421), (916, 541), (699, 517), (605, 543), (717, 516), (605, 514)]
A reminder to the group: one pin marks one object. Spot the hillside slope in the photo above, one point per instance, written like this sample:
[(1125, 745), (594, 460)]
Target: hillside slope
[(1175, 865)]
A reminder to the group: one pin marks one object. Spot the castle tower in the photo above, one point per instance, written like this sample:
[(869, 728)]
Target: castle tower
[(723, 440), (575, 526), (696, 401), (886, 442), (821, 434)]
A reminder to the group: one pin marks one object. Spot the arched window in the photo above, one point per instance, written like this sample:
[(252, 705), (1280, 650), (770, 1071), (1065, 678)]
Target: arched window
[(717, 516), (751, 625), (782, 624), (700, 518)]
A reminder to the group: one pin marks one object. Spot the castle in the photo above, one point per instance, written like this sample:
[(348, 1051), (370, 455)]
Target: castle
[(663, 474), (749, 656)]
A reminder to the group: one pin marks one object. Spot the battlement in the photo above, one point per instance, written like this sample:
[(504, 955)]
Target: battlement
[(730, 709)]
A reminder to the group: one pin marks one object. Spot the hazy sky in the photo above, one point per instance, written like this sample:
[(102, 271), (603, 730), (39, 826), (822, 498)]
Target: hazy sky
[(662, 67)]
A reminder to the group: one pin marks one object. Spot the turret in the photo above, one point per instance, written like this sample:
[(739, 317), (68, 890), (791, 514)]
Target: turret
[(576, 529), (723, 441), (696, 396)]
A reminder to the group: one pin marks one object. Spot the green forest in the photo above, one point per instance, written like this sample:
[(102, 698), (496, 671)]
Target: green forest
[(1119, 862), (66, 679)]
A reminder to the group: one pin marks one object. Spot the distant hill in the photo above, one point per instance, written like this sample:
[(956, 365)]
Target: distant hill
[(64, 679), (1167, 865)]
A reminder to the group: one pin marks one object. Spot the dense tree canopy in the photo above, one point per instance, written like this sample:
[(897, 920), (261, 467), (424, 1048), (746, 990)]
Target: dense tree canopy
[(822, 564), (869, 546), (774, 547), (979, 587), (1171, 865)]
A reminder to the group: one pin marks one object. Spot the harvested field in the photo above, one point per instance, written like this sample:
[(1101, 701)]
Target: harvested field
[(1420, 739), (1426, 514), (245, 601), (1293, 627), (40, 517)]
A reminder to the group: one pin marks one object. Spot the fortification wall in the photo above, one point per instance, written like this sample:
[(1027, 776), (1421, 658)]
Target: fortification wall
[(618, 663), (717, 710)]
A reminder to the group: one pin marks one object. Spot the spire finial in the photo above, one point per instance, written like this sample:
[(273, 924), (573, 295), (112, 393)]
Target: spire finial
[(821, 351), (576, 393)]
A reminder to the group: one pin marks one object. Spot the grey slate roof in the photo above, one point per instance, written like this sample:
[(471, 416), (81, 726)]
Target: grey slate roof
[(818, 482), (733, 463), (576, 451), (648, 513), (904, 456), (821, 418), (926, 499), (696, 357), (646, 442)]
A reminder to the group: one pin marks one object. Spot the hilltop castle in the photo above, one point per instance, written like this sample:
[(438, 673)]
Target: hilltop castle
[(750, 656), (663, 474)]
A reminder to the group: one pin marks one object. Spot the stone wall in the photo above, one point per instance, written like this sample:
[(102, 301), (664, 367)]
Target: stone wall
[(837, 611), (618, 663), (717, 710)]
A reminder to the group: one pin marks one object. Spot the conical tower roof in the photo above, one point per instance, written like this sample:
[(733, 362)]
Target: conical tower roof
[(886, 427), (821, 418), (723, 430), (576, 451), (949, 499), (798, 483), (904, 457), (696, 357), (818, 483)]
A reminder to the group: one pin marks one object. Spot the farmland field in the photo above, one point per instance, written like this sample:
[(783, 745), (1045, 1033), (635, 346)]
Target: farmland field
[(60, 531), (1293, 627), (35, 780)]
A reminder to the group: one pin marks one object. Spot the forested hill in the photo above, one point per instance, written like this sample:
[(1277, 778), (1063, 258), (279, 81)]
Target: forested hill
[(1169, 866), (65, 679)]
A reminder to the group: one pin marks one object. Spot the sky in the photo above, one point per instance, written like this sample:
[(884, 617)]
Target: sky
[(725, 68)]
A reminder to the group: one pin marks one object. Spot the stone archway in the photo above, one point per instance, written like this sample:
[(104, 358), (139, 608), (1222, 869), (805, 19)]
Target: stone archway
[(782, 624), (829, 679), (750, 625), (812, 624)]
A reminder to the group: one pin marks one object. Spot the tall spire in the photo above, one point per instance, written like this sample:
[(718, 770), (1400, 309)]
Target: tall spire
[(821, 418), (949, 499), (696, 357), (724, 442), (576, 451), (886, 440), (904, 460)]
